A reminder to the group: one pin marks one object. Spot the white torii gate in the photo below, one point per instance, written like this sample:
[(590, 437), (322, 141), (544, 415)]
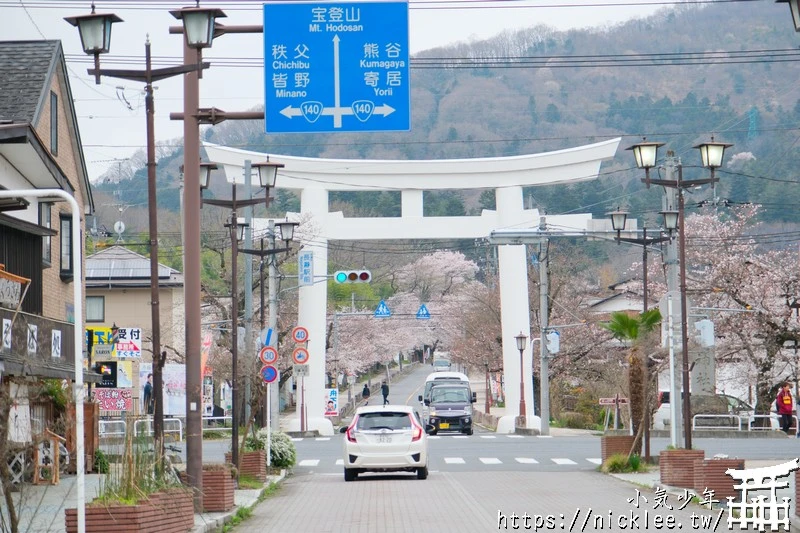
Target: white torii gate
[(507, 175)]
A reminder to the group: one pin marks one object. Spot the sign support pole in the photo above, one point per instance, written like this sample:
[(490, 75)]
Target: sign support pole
[(269, 427)]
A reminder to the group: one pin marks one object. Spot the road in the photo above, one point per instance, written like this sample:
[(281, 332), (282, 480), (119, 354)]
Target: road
[(481, 482)]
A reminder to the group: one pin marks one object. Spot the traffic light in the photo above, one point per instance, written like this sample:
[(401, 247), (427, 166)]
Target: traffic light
[(352, 276)]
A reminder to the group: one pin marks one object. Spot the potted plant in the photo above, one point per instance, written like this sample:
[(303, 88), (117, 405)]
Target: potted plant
[(218, 486), (677, 466), (253, 460)]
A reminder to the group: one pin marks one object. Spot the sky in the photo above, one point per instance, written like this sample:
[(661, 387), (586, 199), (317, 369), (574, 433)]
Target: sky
[(111, 115)]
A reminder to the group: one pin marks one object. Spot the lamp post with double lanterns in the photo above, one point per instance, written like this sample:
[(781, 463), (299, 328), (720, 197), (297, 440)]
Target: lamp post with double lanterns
[(267, 175), (199, 29), (618, 221), (95, 32), (521, 341), (711, 153)]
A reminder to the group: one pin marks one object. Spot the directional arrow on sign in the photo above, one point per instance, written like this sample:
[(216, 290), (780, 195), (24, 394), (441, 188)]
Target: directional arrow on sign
[(292, 112)]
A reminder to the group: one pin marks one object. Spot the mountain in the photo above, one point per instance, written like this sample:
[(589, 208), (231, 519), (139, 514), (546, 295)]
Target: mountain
[(727, 69)]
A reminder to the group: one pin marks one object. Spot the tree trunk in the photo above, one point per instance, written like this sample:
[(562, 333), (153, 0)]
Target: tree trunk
[(5, 471), (636, 387)]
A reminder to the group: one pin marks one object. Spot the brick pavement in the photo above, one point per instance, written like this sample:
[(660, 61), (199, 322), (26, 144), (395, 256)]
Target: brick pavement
[(459, 502)]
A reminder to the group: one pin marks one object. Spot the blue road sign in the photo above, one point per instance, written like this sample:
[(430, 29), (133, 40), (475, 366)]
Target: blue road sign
[(382, 311), (336, 66), (423, 312)]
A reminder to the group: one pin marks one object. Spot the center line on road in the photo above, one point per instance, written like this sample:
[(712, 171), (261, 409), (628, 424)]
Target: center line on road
[(454, 460)]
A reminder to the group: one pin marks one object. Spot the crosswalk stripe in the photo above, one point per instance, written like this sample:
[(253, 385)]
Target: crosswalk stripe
[(595, 460), (339, 462), (435, 437), (544, 436), (460, 436), (308, 462), (322, 438), (297, 439), (515, 436), (527, 460), (488, 437), (490, 460), (454, 460), (563, 461)]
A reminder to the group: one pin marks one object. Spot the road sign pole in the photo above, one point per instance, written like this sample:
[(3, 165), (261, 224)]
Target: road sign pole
[(302, 404), (269, 428)]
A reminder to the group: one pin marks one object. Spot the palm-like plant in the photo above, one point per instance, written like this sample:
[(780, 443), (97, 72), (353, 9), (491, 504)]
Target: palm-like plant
[(632, 329)]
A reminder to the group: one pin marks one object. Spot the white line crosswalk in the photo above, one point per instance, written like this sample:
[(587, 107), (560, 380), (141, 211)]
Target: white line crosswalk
[(558, 461)]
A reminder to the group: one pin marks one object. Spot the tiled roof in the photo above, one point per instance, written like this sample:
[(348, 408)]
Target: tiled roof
[(119, 263), (24, 70)]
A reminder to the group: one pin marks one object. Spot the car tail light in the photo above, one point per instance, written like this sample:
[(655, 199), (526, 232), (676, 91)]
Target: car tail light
[(416, 430), (350, 433)]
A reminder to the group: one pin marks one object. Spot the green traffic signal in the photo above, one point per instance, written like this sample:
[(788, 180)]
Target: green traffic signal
[(352, 276), (341, 277)]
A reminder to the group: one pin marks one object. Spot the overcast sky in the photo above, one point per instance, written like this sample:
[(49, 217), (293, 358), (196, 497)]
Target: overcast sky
[(111, 115)]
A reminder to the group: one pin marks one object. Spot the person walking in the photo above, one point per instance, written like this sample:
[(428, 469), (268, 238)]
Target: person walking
[(785, 405), (385, 392), (365, 394), (148, 395)]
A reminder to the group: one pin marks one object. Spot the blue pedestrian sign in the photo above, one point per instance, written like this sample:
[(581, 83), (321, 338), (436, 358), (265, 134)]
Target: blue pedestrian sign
[(382, 311), (423, 313), (336, 66)]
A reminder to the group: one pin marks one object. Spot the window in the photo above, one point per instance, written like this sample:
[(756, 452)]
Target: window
[(95, 308), (53, 123), (66, 248), (46, 220)]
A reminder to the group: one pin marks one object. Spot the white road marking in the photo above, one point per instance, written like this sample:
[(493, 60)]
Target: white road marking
[(322, 438), (515, 436), (544, 436), (490, 460), (339, 462), (595, 460), (488, 437), (562, 461), (527, 460), (297, 439), (308, 462), (454, 460)]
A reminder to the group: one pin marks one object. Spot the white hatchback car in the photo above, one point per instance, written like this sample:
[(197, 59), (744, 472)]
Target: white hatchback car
[(385, 438)]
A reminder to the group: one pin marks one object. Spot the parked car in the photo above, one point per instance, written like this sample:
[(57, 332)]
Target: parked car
[(385, 438), (450, 407)]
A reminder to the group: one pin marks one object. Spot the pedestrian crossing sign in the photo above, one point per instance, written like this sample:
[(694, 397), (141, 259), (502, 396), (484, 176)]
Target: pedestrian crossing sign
[(423, 312), (382, 310)]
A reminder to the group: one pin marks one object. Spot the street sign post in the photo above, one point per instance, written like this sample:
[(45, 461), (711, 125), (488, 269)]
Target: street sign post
[(300, 356), (268, 355), (336, 66), (423, 313), (300, 371), (269, 373), (300, 334), (382, 311)]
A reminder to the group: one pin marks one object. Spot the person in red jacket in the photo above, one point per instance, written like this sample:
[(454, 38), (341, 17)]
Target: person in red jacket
[(785, 406)]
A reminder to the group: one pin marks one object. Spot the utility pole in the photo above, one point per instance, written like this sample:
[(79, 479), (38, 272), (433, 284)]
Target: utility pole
[(544, 287), (670, 203), (248, 293), (274, 392)]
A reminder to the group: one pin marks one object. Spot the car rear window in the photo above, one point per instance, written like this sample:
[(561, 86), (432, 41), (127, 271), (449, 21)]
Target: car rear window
[(384, 420)]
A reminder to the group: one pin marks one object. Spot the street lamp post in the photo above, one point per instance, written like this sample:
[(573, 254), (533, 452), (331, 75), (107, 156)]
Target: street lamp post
[(267, 173), (95, 32), (794, 5), (618, 219), (199, 29), (711, 154), (488, 389), (521, 340)]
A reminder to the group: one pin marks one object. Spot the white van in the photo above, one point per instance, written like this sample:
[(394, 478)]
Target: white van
[(438, 378)]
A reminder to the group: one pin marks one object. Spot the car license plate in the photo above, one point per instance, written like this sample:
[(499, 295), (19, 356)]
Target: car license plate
[(384, 438), (444, 425)]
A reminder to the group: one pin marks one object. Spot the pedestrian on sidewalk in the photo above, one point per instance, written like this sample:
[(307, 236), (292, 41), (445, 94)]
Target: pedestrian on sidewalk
[(365, 394), (385, 392), (785, 406)]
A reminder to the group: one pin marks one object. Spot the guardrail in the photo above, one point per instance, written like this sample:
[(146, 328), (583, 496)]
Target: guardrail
[(211, 423), (770, 426), (725, 418), (111, 429)]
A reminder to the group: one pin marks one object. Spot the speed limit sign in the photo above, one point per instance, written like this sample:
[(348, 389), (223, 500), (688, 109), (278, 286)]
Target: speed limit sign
[(268, 355), (300, 334)]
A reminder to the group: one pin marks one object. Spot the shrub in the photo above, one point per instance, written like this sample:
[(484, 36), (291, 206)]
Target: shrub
[(620, 462), (284, 454), (101, 462)]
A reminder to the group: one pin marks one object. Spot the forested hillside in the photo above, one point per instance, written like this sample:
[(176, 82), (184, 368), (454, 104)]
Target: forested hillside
[(728, 68)]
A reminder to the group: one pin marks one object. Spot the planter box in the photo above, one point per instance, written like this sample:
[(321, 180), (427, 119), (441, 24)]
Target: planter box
[(710, 474), (170, 511), (614, 444), (253, 464), (218, 489), (677, 467)]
